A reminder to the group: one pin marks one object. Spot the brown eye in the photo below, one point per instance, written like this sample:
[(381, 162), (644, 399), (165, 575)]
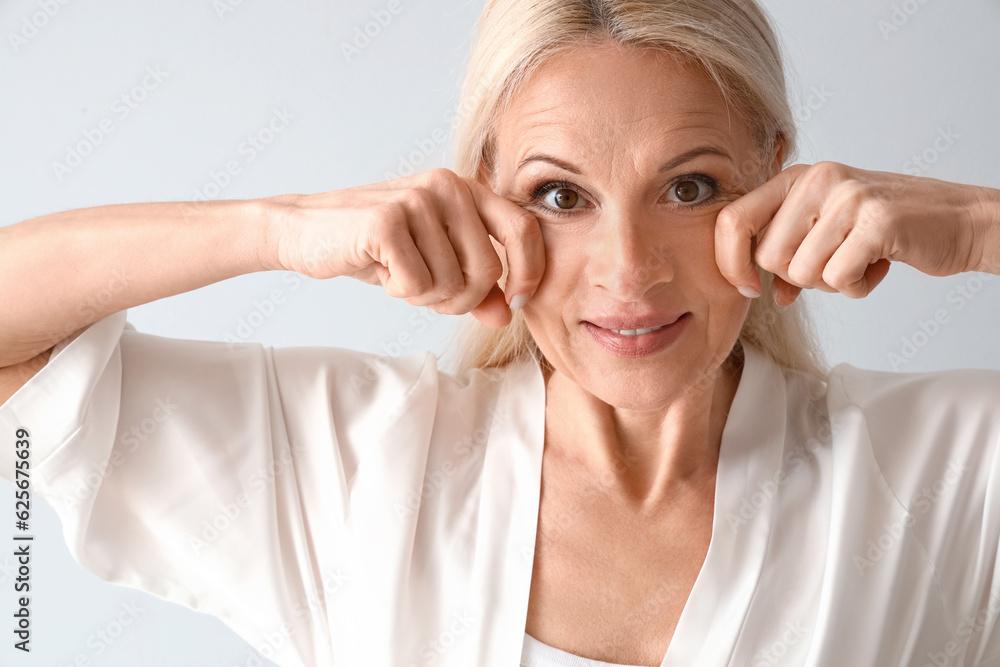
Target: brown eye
[(686, 191), (565, 198)]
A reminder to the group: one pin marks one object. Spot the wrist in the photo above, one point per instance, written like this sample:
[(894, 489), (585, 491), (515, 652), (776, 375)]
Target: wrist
[(986, 222), (273, 217)]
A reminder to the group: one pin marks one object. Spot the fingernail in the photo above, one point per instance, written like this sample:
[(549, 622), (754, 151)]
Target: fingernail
[(518, 301), (748, 292)]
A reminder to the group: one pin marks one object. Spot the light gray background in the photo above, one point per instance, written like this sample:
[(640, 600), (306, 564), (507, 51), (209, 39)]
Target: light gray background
[(891, 76)]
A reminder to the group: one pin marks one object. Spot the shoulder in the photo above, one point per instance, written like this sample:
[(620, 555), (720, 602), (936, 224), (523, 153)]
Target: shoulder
[(922, 426), (405, 411), (919, 396), (358, 377)]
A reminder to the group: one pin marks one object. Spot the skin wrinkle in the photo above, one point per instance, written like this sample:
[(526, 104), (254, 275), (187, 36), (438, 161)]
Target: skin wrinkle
[(730, 192)]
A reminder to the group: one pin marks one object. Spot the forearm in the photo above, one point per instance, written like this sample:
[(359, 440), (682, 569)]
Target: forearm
[(987, 219), (63, 271)]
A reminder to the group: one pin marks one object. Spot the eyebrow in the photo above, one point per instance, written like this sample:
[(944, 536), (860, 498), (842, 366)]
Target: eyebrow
[(672, 164)]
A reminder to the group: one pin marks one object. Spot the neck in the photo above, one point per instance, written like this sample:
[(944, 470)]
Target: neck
[(648, 458)]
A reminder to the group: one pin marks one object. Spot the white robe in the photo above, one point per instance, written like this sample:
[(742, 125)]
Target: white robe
[(335, 507)]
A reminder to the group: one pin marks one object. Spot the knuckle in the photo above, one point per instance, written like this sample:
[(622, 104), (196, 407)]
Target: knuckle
[(870, 227), (878, 207), (828, 171), (419, 286), (855, 194), (426, 176), (420, 200), (392, 229), (441, 179), (492, 267), (729, 274), (442, 174), (488, 272), (523, 225), (383, 237), (423, 211), (835, 280), (800, 274), (390, 214), (873, 213), (800, 170), (766, 258), (730, 217), (453, 286)]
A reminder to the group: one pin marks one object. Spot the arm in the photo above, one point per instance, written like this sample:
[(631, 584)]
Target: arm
[(61, 272), (64, 271), (837, 228)]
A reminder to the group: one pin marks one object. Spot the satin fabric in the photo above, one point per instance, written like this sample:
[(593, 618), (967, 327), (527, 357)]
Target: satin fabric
[(335, 507)]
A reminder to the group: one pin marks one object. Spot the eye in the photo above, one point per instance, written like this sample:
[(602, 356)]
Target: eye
[(563, 199), (688, 189), (558, 197)]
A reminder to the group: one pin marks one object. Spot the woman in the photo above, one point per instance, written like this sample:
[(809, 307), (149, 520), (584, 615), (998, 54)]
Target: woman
[(640, 461)]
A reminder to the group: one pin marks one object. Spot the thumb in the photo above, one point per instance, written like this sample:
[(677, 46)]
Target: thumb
[(739, 224), (493, 311), (735, 244)]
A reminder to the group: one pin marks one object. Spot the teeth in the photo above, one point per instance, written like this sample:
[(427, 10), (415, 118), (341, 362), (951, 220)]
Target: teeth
[(636, 332)]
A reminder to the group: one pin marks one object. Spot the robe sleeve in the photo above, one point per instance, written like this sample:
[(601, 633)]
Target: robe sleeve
[(213, 475), (936, 440)]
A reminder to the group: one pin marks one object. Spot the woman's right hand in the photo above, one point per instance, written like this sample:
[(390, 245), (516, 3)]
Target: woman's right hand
[(425, 238)]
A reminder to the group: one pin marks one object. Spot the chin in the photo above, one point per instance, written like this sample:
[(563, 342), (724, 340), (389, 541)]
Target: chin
[(637, 384)]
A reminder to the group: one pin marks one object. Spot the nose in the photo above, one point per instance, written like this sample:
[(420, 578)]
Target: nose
[(628, 257)]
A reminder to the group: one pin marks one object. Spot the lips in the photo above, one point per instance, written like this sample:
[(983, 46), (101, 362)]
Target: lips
[(634, 346), (622, 322)]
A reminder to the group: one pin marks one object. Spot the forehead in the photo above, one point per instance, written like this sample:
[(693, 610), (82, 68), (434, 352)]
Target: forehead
[(604, 96)]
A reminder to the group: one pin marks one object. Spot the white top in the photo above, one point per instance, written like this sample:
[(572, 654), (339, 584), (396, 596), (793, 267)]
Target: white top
[(378, 511), (535, 653)]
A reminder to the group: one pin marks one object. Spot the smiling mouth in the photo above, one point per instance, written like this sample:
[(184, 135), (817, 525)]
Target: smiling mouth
[(636, 343), (637, 332), (635, 324)]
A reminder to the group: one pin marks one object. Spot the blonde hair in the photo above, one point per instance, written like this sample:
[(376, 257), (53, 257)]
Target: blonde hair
[(732, 40)]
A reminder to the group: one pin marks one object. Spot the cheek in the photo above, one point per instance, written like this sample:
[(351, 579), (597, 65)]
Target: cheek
[(565, 260), (692, 243)]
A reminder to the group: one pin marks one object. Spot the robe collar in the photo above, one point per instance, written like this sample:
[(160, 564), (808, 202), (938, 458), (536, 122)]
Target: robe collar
[(746, 481)]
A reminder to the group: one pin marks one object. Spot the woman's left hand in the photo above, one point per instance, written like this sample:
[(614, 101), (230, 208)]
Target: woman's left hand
[(836, 228)]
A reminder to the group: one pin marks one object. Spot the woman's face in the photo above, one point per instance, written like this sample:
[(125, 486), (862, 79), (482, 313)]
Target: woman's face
[(626, 158)]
